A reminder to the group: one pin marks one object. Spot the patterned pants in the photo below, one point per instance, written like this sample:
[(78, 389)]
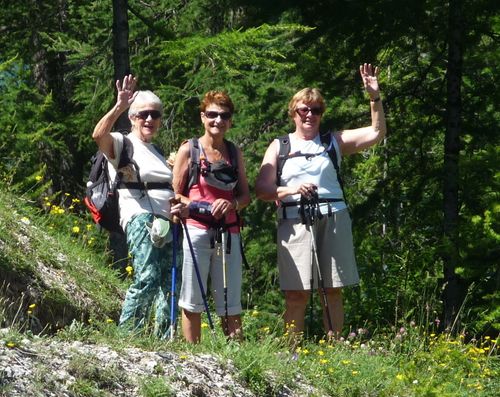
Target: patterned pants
[(152, 280)]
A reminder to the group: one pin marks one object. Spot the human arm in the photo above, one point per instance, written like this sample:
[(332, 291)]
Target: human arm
[(358, 139), (102, 130), (266, 185), (181, 172)]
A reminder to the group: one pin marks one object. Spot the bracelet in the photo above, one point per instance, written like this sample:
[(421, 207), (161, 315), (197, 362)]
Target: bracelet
[(235, 206), (375, 100)]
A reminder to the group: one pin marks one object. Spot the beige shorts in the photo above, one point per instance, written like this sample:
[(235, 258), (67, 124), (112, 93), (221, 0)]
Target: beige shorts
[(335, 251)]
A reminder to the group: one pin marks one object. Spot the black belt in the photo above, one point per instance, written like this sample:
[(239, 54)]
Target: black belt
[(285, 204)]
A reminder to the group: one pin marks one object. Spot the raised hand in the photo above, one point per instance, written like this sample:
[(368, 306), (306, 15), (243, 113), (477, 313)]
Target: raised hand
[(125, 91), (369, 75)]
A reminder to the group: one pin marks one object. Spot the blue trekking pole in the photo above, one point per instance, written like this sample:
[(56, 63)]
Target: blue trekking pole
[(173, 309), (198, 276)]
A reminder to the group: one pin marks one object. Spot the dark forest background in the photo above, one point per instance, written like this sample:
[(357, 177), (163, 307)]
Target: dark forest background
[(425, 202)]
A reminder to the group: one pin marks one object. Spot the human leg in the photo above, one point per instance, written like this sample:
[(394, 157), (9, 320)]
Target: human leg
[(147, 275), (191, 326), (336, 309), (196, 264), (295, 310), (162, 303)]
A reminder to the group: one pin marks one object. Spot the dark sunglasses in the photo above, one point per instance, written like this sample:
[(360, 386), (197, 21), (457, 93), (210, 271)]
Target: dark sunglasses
[(304, 110), (214, 115), (144, 114)]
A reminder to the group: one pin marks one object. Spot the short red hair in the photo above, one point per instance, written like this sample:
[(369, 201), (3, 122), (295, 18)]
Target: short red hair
[(219, 98)]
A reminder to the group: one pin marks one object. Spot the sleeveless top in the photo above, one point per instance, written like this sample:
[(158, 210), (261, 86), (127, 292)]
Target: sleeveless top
[(201, 191), (318, 170)]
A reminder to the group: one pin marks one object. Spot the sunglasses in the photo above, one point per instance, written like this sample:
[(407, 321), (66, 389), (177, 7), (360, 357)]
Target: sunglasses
[(304, 110), (214, 115), (144, 114)]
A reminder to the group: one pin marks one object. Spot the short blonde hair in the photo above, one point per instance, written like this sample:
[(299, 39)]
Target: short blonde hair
[(307, 95)]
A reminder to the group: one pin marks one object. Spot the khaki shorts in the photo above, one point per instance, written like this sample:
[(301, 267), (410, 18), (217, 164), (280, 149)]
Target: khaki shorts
[(335, 253)]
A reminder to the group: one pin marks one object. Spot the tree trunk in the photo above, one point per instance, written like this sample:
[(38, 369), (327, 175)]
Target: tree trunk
[(453, 288), (121, 58)]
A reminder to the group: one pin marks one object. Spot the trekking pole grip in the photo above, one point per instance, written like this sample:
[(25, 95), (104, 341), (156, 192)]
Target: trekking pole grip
[(174, 201)]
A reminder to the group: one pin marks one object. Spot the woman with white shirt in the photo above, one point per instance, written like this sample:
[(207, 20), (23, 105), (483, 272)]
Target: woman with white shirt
[(308, 175), (145, 192)]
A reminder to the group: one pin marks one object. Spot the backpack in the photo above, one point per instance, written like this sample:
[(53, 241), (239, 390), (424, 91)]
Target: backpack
[(284, 154), (195, 168), (101, 197)]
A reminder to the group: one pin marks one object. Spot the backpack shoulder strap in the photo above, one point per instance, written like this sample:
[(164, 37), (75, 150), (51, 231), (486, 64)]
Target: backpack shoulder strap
[(327, 140), (127, 152), (126, 158), (329, 145), (284, 151), (233, 153), (194, 164)]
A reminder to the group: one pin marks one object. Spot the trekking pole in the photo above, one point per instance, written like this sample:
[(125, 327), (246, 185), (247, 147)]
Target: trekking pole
[(173, 311), (224, 280), (198, 276), (311, 299), (320, 278), (306, 216)]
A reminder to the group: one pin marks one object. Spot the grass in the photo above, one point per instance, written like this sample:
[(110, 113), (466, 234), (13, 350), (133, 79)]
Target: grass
[(405, 363), (409, 360), (52, 268)]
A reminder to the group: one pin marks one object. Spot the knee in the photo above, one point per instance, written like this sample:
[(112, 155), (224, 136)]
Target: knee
[(296, 298), (191, 316), (334, 294)]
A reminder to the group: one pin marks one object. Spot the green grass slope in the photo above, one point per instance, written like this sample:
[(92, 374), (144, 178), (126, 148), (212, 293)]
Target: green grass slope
[(47, 279)]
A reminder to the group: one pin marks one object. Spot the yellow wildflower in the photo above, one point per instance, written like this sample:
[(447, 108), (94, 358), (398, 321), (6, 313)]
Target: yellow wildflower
[(109, 321), (400, 376), (321, 353), (323, 361), (11, 344), (38, 178), (204, 325), (183, 357), (355, 372), (75, 229), (32, 306)]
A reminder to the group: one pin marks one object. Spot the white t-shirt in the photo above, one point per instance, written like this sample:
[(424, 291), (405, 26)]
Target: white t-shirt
[(152, 168), (317, 169)]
